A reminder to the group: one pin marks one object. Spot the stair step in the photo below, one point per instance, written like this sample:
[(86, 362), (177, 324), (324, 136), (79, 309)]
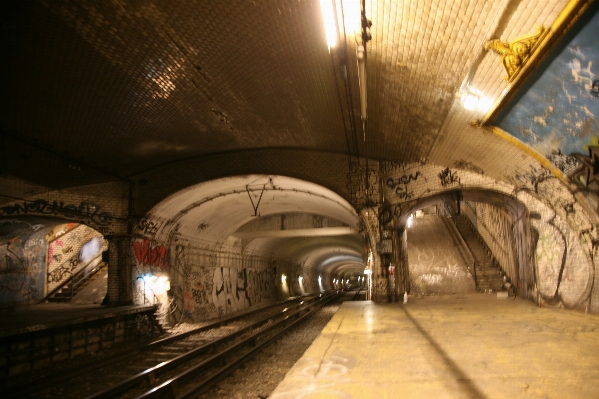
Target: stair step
[(488, 275)]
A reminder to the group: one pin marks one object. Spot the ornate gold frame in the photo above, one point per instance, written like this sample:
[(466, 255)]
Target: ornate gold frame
[(546, 41)]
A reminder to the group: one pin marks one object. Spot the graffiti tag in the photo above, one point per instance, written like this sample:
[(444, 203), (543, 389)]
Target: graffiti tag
[(147, 226), (448, 177), (86, 211), (149, 255)]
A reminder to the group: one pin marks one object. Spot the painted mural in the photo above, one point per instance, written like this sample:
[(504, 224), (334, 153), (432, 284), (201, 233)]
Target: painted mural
[(559, 115)]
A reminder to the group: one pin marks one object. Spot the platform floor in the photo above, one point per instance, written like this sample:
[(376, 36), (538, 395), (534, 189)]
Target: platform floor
[(468, 346)]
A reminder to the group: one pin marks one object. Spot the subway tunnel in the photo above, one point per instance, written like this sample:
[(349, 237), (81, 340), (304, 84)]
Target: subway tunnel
[(211, 158)]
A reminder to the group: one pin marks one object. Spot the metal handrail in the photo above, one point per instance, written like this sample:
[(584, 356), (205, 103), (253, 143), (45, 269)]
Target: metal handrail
[(462, 246), (74, 275)]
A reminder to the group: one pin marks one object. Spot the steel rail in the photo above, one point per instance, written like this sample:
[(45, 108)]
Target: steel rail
[(172, 387), (150, 375), (62, 376)]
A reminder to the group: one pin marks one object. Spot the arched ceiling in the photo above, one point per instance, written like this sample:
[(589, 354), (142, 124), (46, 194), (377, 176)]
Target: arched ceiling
[(104, 91), (209, 214), (99, 91)]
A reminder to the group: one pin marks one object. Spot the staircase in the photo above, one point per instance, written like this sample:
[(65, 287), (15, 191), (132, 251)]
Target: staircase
[(488, 276), (161, 321), (74, 286)]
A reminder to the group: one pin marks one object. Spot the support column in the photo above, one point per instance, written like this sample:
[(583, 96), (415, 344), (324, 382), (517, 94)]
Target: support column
[(120, 291), (400, 257)]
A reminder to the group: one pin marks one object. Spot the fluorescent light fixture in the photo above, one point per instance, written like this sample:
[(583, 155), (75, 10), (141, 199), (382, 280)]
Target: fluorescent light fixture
[(300, 279), (361, 54), (283, 278), (353, 16), (410, 221), (328, 18)]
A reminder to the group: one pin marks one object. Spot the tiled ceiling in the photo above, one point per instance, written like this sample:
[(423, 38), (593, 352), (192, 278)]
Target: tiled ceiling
[(126, 86)]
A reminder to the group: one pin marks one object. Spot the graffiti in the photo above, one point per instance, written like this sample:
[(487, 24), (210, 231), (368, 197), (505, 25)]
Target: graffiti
[(550, 256), (261, 285), (150, 255), (12, 268), (187, 300), (431, 279), (148, 227), (198, 295), (86, 211), (402, 191), (34, 227), (392, 167), (564, 163), (534, 176), (405, 179), (63, 271), (452, 271), (228, 284), (448, 177), (461, 164)]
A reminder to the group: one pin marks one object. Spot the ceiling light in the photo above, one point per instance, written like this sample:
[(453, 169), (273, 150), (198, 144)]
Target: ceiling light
[(328, 18), (361, 54), (474, 99)]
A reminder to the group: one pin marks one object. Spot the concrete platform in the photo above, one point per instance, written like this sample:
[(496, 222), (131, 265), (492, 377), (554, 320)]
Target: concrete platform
[(469, 346)]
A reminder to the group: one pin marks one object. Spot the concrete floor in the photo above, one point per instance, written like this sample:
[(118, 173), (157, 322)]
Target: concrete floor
[(467, 346)]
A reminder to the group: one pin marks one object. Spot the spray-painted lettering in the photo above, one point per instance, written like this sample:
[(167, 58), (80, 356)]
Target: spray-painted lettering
[(150, 255), (87, 212), (149, 227), (448, 177)]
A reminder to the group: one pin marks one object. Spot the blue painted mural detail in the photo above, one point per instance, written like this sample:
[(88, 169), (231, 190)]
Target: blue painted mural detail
[(559, 115)]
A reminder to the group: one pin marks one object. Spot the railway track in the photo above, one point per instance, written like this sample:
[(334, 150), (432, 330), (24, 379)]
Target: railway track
[(181, 366)]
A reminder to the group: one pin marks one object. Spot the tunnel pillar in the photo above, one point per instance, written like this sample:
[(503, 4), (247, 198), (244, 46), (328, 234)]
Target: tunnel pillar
[(400, 259), (119, 271)]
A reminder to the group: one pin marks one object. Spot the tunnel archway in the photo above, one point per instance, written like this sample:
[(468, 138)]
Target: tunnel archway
[(551, 279), (41, 256), (236, 242)]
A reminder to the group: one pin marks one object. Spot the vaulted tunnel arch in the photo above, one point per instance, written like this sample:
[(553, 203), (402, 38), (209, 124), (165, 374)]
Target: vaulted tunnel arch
[(235, 242), (530, 230)]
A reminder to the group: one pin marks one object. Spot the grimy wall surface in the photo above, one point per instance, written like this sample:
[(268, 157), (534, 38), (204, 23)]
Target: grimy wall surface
[(558, 229)]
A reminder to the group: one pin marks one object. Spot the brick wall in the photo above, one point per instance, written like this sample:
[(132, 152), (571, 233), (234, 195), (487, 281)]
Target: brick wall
[(103, 206)]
